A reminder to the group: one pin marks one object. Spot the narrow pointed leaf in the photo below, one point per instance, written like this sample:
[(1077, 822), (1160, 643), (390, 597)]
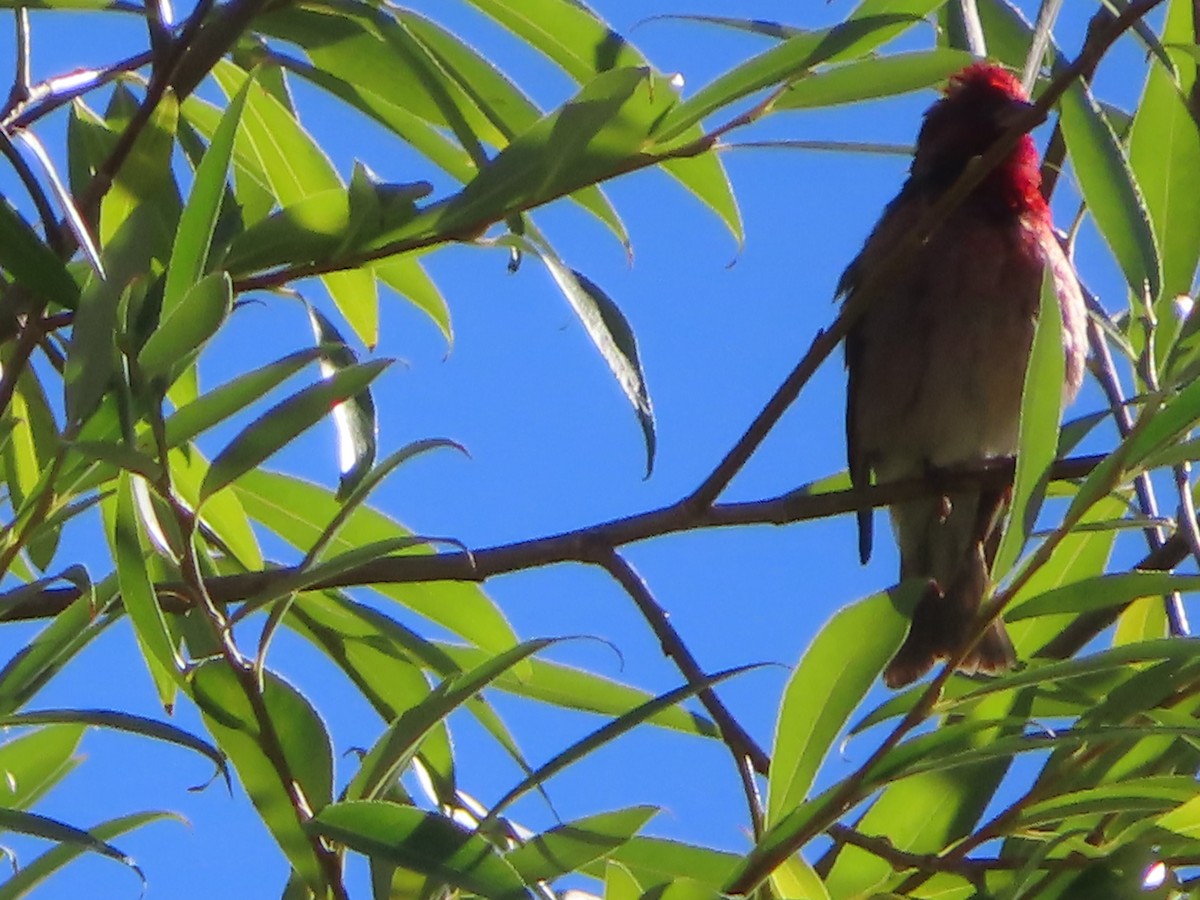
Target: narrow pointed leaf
[(1037, 435), (189, 254), (186, 327), (394, 750), (303, 739), (1111, 191), (137, 591), (573, 845), (834, 675), (284, 422), (33, 873)]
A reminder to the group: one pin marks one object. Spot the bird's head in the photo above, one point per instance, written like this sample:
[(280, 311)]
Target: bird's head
[(980, 104)]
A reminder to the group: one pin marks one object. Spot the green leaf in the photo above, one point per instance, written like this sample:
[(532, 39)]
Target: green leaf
[(569, 34), (1037, 436), (585, 141), (232, 397), (186, 327), (54, 646), (298, 511), (834, 675), (285, 421), (55, 830), (873, 77), (1119, 659), (120, 721), (1164, 153), (571, 846), (32, 874), (1111, 191), (1184, 820), (91, 354), (145, 182), (607, 733), (33, 264), (1103, 591), (32, 441), (381, 103), (1152, 794), (137, 592), (655, 860), (35, 762), (796, 878), (193, 240), (366, 47), (394, 750), (619, 883), (421, 842), (561, 685), (301, 737), (308, 230), (927, 812), (406, 276), (294, 164), (788, 60)]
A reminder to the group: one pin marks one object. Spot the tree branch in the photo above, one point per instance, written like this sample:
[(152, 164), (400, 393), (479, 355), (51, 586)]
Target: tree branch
[(747, 755), (578, 545)]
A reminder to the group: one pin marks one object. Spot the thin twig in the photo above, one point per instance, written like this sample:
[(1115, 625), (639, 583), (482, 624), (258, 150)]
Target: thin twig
[(747, 755)]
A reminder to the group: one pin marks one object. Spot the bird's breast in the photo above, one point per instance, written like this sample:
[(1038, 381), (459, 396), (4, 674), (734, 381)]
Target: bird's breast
[(944, 349)]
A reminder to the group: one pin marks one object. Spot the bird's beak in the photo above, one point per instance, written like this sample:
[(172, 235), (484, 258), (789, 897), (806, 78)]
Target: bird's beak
[(1016, 111)]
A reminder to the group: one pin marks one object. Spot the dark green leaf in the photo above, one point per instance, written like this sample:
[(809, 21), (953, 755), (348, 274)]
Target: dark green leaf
[(571, 846), (789, 60), (220, 403), (130, 548), (421, 842)]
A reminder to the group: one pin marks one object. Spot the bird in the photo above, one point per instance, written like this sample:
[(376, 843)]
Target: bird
[(936, 360)]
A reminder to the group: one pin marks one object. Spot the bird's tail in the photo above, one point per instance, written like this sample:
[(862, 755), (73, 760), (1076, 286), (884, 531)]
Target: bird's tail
[(950, 542)]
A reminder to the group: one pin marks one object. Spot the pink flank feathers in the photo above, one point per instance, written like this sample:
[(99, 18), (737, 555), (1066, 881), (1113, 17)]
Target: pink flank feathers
[(937, 360)]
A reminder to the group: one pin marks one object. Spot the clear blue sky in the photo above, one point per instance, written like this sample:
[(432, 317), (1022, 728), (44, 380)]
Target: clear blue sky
[(553, 446)]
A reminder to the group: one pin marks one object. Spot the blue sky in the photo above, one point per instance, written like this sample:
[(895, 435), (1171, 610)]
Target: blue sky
[(553, 446)]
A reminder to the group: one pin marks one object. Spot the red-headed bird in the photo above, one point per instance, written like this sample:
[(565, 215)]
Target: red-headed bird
[(937, 359)]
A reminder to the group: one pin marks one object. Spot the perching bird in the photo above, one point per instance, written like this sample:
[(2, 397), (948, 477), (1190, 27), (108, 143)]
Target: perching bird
[(937, 359)]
